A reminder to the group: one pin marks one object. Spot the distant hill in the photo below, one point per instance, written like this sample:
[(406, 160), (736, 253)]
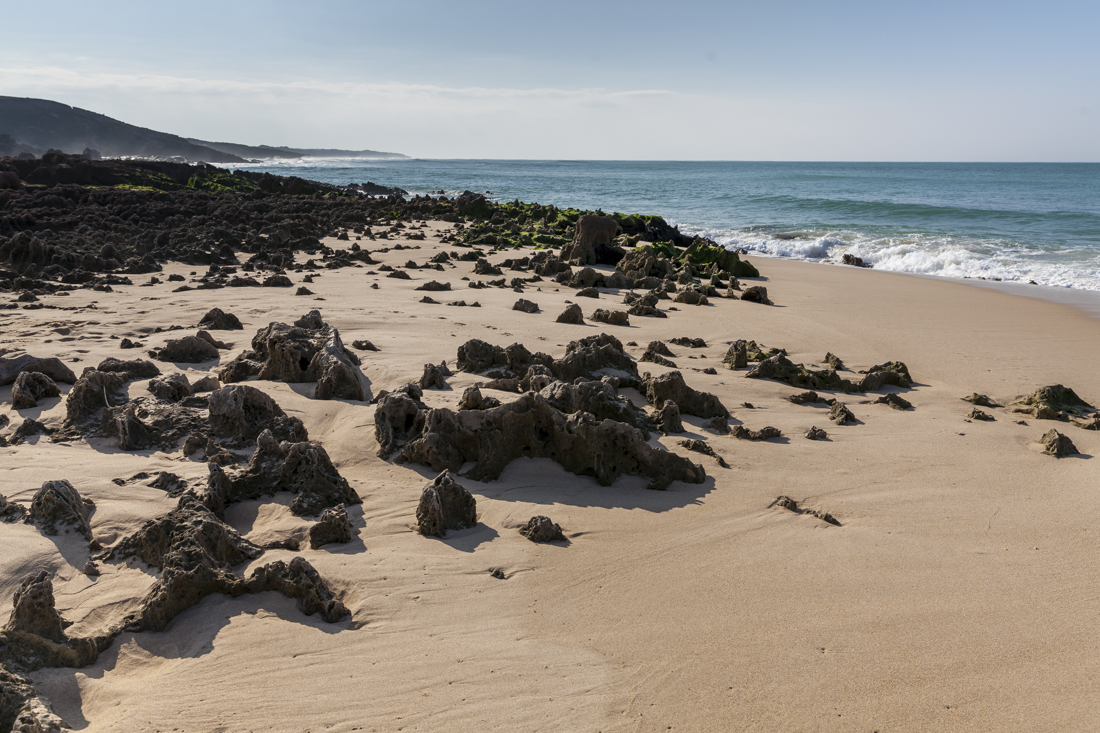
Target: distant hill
[(33, 126), (267, 152), (42, 124)]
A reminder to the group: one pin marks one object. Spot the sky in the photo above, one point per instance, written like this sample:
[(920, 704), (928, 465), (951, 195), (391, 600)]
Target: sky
[(777, 80)]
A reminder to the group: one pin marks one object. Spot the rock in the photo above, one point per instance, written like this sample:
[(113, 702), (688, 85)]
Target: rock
[(833, 361), (33, 609), (719, 424), (805, 398), (526, 306), (10, 511), (897, 367), (588, 293), (764, 433), (659, 347), (10, 369), (482, 267), (1053, 403), (94, 391), (472, 399), (172, 387), (646, 261), (597, 398), (205, 336), (691, 297), (571, 314), (128, 344), (303, 469), (816, 433), (532, 427), (756, 294), (977, 414), (130, 369), (737, 356), (334, 527), (240, 412), (853, 261), (277, 281), (187, 350), (1057, 445), (435, 377), (878, 379), (840, 414), (653, 357), (542, 529), (706, 252), (593, 242), (669, 418), (206, 384), (671, 386), (689, 342), (218, 320), (895, 401), (91, 569), (363, 345), (791, 505), (445, 504), (980, 400), (57, 505), (782, 369), (303, 290), (30, 387), (26, 429), (299, 580), (703, 447), (434, 286)]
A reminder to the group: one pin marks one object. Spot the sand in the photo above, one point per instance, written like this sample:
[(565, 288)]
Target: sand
[(957, 594)]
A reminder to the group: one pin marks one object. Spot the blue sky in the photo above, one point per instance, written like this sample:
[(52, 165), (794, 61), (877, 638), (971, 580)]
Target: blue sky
[(604, 80)]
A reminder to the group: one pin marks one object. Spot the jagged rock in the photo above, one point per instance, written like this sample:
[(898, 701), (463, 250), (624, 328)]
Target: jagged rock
[(699, 446), (782, 369), (816, 433), (756, 294), (853, 261), (434, 286), (642, 262), (593, 242), (128, 344), (719, 424), (445, 504), (218, 320), (892, 366), (588, 293), (172, 387), (689, 342), (737, 356), (435, 377), (21, 708), (895, 401), (10, 511), (363, 345), (205, 336), (29, 387), (26, 429), (669, 418), (980, 400), (334, 527), (395, 417), (34, 636), (308, 351), (611, 318), (303, 469), (482, 267), (659, 347), (240, 412), (542, 529), (878, 379), (840, 414), (1057, 445), (33, 609), (597, 398), (472, 399), (791, 505), (1053, 403), (303, 290), (130, 369), (57, 505), (763, 433), (572, 314), (206, 384), (216, 453), (299, 580), (526, 306), (653, 357), (532, 427), (691, 297), (977, 414), (10, 369), (277, 281), (671, 386), (804, 398), (94, 391), (592, 357), (833, 361), (187, 350)]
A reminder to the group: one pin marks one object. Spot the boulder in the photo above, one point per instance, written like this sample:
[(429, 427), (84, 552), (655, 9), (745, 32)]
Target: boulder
[(611, 318), (240, 412), (980, 400), (669, 418), (840, 414), (11, 368), (218, 320), (1057, 445), (186, 350), (472, 399), (435, 377), (737, 356), (572, 314), (816, 433), (756, 294), (171, 387), (1053, 403), (130, 369), (94, 391), (782, 369), (763, 433), (526, 306), (58, 506), (671, 386), (542, 529), (277, 281), (445, 504), (30, 387), (334, 527)]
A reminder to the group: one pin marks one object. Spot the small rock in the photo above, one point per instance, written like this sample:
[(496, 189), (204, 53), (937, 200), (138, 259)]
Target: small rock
[(816, 433), (542, 529)]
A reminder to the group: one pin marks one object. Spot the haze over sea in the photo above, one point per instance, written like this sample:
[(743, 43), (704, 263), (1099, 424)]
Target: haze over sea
[(1014, 221)]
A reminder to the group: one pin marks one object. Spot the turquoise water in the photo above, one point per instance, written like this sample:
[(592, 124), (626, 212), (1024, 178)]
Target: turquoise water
[(1017, 222)]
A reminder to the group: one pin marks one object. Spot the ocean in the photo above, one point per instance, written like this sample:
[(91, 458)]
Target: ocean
[(1016, 222)]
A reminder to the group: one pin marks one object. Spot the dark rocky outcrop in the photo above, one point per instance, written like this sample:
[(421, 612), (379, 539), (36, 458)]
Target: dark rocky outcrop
[(1057, 445), (186, 350), (218, 320), (593, 242), (472, 399), (171, 387), (240, 412), (58, 506), (11, 368), (816, 433), (308, 351), (333, 528), (597, 398), (840, 414), (1053, 403), (763, 433), (303, 469), (542, 529), (130, 369), (833, 361), (805, 398), (671, 386), (592, 357), (10, 511), (435, 376), (526, 306), (572, 314), (895, 401), (756, 294), (611, 318), (669, 418), (981, 415), (29, 387), (445, 504)]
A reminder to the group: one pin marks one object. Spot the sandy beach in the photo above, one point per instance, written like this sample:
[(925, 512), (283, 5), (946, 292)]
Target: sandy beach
[(954, 594)]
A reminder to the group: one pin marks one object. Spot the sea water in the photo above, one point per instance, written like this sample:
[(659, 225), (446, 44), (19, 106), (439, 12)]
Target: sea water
[(1021, 222)]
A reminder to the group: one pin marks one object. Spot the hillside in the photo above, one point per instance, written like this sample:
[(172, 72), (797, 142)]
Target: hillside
[(285, 153)]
